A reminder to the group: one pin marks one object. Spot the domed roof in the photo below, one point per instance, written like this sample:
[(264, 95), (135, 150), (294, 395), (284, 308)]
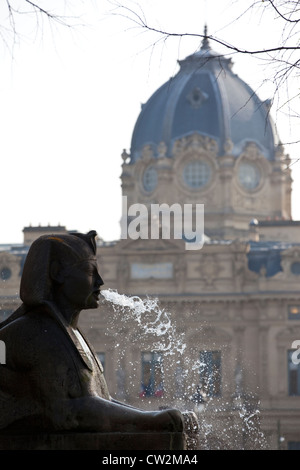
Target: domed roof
[(205, 96)]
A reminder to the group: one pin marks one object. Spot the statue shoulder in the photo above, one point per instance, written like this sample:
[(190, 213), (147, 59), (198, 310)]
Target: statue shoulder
[(30, 339)]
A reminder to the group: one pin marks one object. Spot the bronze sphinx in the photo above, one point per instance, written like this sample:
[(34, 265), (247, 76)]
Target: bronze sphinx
[(52, 380)]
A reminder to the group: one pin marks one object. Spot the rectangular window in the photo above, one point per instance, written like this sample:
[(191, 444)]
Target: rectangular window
[(294, 312), (152, 375), (293, 445), (148, 271), (293, 375), (210, 372)]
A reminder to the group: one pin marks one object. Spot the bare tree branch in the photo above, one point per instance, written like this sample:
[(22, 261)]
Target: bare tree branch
[(57, 18), (140, 21), (11, 27), (281, 14)]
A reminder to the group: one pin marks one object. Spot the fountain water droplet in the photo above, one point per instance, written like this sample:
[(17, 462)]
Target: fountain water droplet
[(149, 316), (152, 320)]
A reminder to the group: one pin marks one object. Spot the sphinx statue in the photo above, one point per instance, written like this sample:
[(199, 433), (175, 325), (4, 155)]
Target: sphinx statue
[(52, 381)]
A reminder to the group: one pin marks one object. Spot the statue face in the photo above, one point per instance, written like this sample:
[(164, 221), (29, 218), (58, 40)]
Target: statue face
[(81, 285)]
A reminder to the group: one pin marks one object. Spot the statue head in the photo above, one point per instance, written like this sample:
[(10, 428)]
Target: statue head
[(53, 258)]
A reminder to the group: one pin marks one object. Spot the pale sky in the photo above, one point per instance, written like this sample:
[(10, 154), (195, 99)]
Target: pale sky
[(70, 98)]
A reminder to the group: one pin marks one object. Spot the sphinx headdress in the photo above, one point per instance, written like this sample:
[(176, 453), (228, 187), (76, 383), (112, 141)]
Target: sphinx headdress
[(36, 283)]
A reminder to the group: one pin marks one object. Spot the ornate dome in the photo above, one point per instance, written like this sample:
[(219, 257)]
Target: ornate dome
[(206, 97)]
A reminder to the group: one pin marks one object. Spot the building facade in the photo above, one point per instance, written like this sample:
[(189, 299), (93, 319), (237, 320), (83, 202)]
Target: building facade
[(213, 328)]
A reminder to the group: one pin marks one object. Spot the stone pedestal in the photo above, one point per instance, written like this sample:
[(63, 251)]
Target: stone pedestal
[(94, 441), (186, 440)]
